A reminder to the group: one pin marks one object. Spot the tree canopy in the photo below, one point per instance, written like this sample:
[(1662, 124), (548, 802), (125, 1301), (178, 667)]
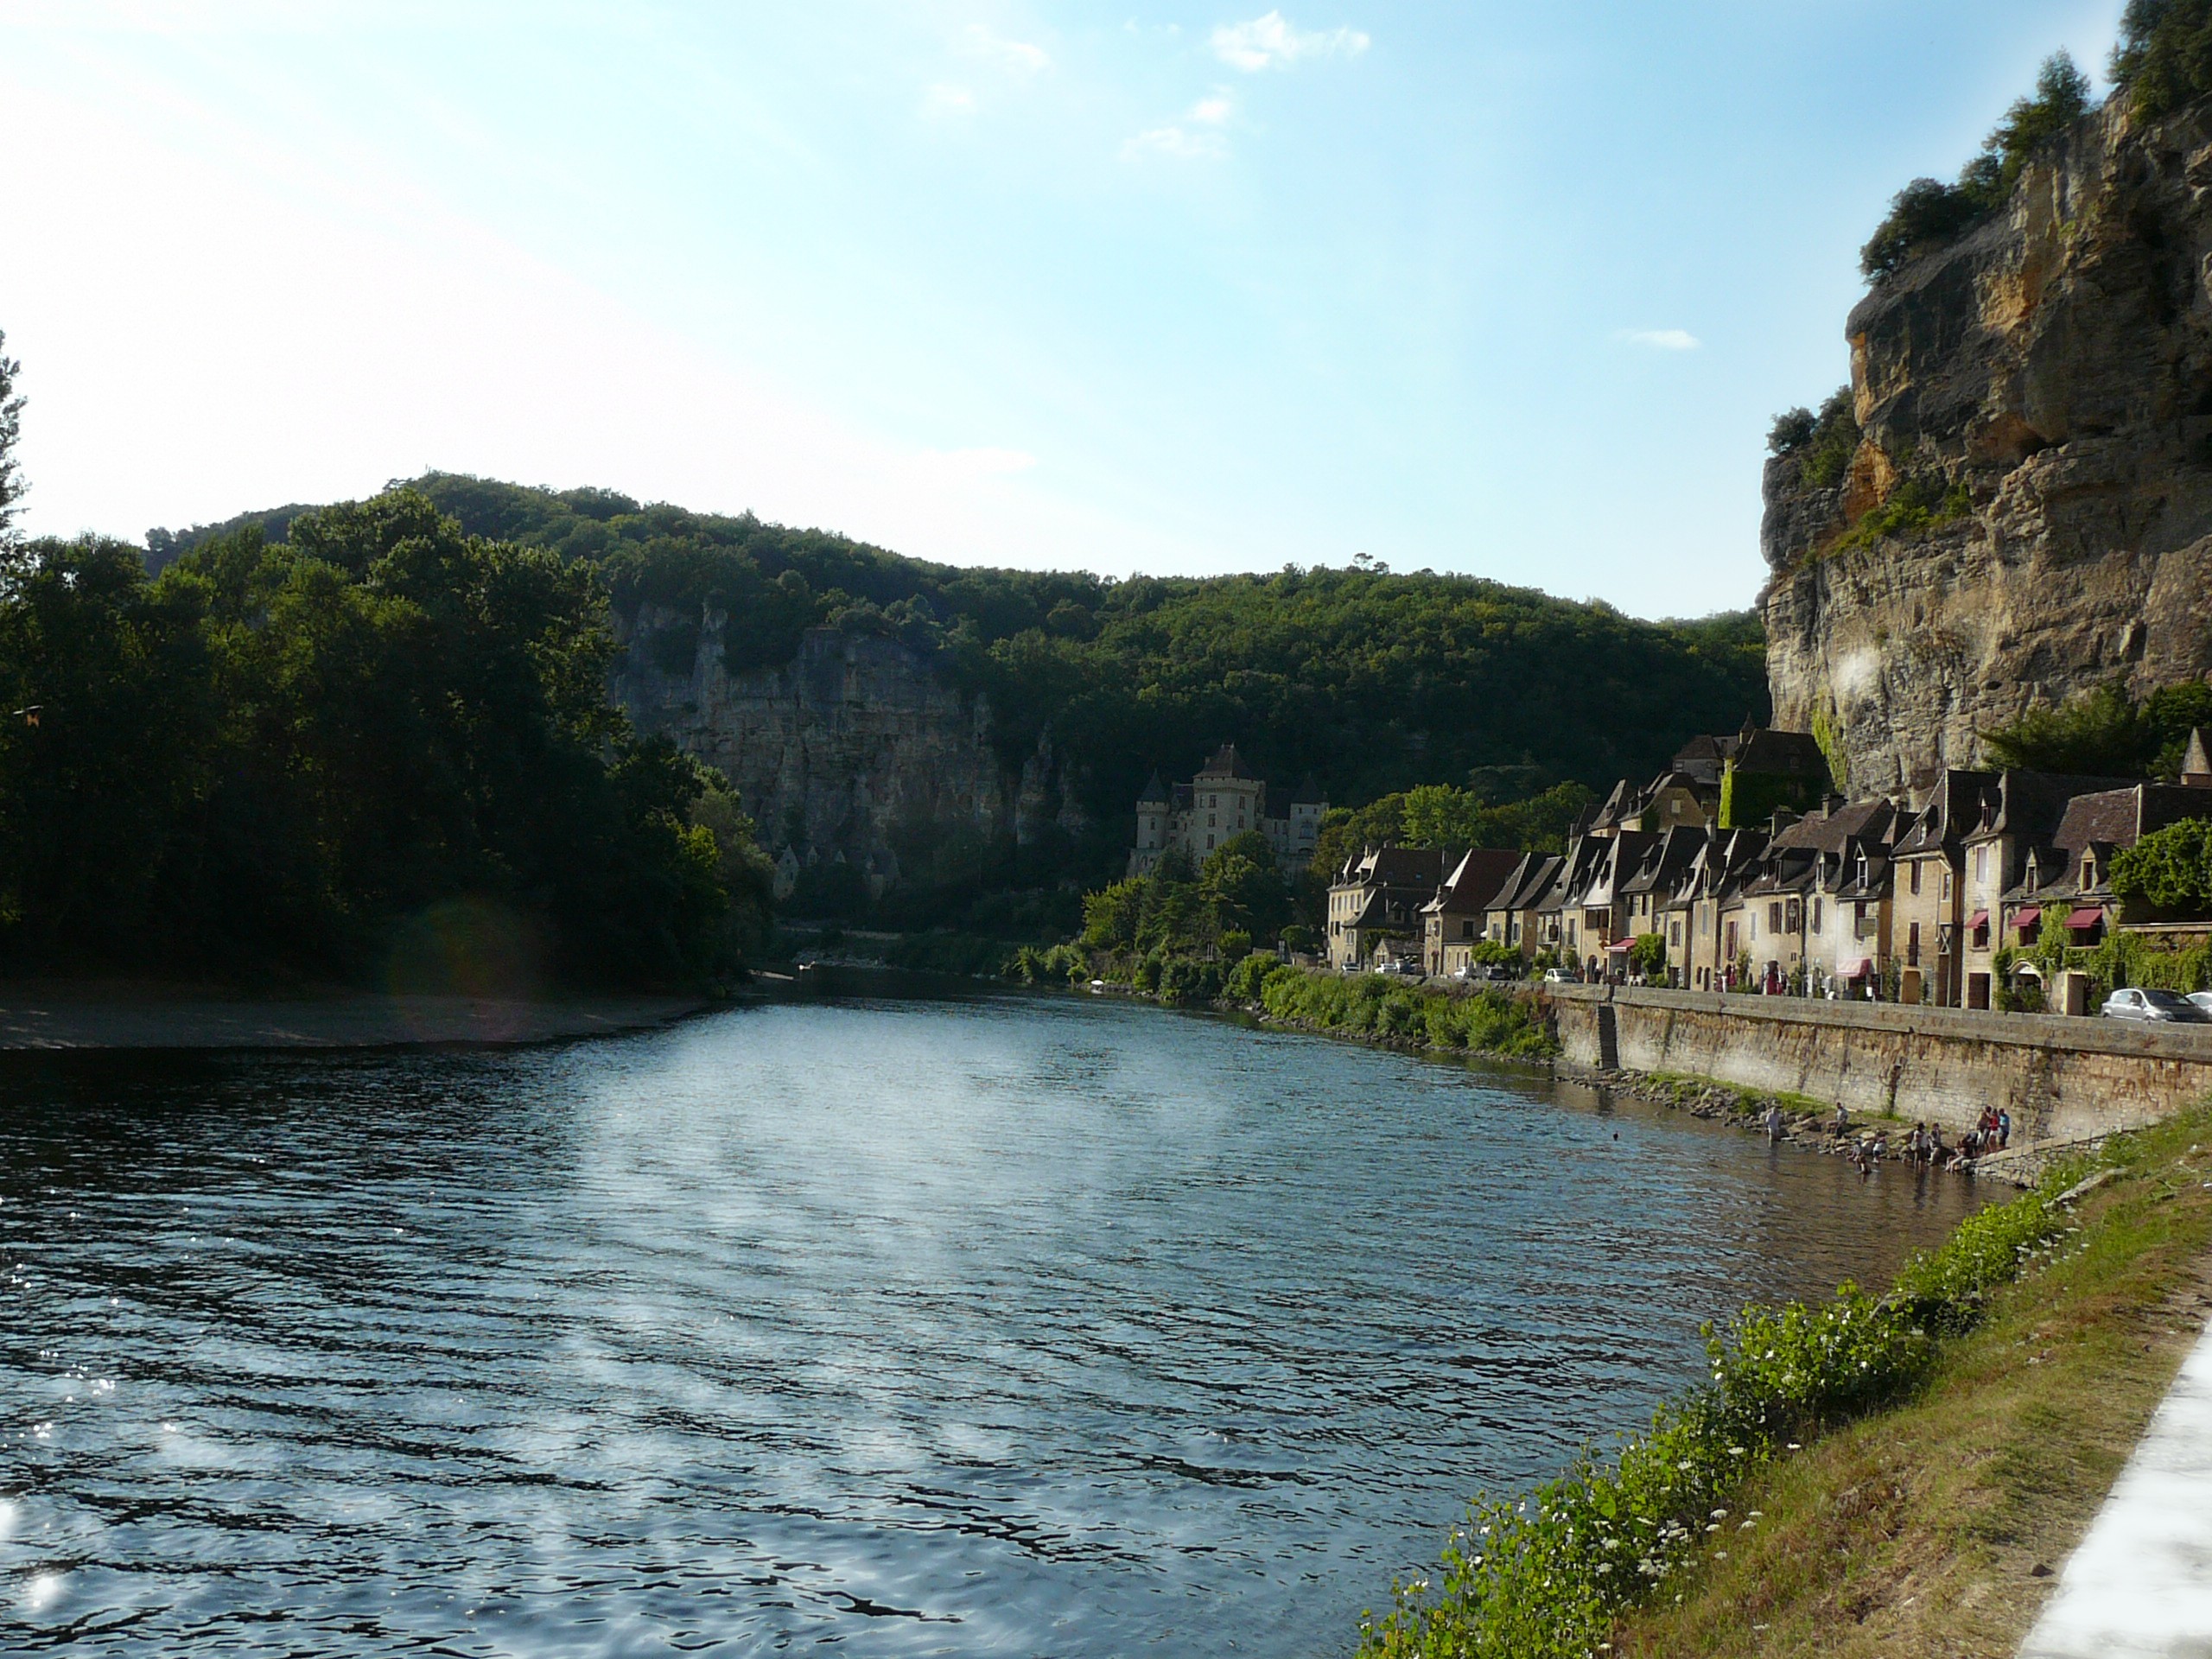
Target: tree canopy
[(2107, 733), (1374, 682), (382, 748), (2171, 869)]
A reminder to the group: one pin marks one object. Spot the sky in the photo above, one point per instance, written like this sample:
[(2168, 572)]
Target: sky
[(1501, 288)]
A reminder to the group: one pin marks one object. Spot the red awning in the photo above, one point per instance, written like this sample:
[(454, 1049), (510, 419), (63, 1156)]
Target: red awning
[(1622, 944), (1980, 918), (2028, 917), (1860, 969), (2087, 916)]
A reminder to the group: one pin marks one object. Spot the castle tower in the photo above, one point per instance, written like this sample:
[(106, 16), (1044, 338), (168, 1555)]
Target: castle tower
[(1153, 808)]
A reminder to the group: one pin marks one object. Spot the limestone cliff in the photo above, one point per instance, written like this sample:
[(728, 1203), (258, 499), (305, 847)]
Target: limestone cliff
[(2035, 408), (855, 748)]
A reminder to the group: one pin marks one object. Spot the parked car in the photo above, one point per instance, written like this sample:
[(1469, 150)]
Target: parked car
[(1556, 977), (2203, 999), (2161, 1006)]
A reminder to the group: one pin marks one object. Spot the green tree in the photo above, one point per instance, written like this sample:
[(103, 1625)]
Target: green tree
[(2164, 59), (2171, 869), (1927, 214), (2105, 732)]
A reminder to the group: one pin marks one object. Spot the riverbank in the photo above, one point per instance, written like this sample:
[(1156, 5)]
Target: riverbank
[(1935, 1523), (142, 1016)]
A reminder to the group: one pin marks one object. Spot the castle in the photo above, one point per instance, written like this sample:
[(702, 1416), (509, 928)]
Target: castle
[(1223, 800)]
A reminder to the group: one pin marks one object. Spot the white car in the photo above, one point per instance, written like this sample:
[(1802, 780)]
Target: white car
[(2164, 1007)]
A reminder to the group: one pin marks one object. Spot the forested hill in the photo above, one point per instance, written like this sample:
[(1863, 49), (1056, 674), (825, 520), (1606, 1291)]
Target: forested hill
[(1372, 680)]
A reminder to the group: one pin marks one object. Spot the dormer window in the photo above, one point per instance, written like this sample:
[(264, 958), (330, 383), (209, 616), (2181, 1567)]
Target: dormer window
[(2088, 869)]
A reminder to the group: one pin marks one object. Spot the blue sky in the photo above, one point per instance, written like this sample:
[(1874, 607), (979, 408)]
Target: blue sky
[(1503, 288)]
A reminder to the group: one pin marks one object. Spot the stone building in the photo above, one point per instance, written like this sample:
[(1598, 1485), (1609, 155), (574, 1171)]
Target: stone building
[(1227, 799), (1376, 899)]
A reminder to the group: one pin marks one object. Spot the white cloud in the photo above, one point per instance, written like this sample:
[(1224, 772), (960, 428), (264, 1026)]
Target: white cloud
[(1214, 110), (1179, 142), (1018, 57), (1269, 43), (943, 100), (1661, 340)]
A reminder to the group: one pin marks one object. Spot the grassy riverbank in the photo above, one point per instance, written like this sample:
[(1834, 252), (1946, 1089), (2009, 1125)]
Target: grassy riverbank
[(1371, 1007), (1864, 1477)]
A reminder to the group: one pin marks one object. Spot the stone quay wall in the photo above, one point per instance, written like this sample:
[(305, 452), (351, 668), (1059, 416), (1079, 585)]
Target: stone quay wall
[(2061, 1078)]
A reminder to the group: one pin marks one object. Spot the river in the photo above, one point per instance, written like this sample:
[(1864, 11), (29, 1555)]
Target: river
[(889, 1325)]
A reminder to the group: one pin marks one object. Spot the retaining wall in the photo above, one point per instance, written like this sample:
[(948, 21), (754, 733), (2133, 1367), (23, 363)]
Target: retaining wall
[(2059, 1078)]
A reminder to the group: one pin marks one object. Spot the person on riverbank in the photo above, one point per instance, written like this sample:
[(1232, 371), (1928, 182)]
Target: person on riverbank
[(2004, 1128), (1774, 1123), (1842, 1121)]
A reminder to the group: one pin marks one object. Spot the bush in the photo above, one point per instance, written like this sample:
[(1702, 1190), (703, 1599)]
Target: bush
[(1488, 1021)]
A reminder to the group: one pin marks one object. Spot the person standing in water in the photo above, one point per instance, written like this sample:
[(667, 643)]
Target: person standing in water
[(1774, 1123)]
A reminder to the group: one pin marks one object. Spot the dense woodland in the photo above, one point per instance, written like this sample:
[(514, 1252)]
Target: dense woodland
[(1374, 682), (379, 752)]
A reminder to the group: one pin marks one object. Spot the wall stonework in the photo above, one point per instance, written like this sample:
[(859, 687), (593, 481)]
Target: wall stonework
[(2060, 1079)]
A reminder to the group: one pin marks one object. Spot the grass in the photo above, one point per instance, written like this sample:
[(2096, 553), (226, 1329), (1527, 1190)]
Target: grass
[(1681, 1087), (1920, 1529), (1910, 1517)]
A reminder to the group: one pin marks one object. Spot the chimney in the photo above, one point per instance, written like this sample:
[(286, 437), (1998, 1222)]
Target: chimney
[(1831, 803)]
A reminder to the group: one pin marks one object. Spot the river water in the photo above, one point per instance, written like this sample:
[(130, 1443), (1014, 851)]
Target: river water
[(987, 1325)]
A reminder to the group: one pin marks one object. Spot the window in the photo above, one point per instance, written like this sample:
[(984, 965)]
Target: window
[(1816, 915), (1796, 916), (1912, 946), (1774, 917), (1209, 843), (1947, 884), (1980, 864), (1915, 878)]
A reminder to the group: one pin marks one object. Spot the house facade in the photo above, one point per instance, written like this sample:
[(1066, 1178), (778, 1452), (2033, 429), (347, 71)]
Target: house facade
[(1376, 902)]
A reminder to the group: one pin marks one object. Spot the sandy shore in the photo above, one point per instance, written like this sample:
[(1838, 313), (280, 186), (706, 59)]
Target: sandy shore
[(133, 1017)]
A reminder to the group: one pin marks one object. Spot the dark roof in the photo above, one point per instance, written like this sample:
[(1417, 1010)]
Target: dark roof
[(1827, 832), (1475, 880), (2029, 805), (1788, 755), (1155, 789), (1420, 867), (1310, 792), (2120, 818), (1954, 806), (1227, 763), (1528, 881), (1667, 864)]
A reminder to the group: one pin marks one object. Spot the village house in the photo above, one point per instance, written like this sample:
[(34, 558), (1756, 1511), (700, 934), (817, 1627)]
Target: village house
[(1713, 944), (1512, 917), (1928, 887), (1662, 877), (1456, 920), (2019, 814), (1226, 800), (1376, 902)]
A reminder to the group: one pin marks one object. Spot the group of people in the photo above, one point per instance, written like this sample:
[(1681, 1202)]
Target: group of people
[(1924, 1146)]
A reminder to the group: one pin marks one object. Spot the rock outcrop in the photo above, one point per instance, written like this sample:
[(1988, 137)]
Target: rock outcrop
[(856, 749), (2040, 392)]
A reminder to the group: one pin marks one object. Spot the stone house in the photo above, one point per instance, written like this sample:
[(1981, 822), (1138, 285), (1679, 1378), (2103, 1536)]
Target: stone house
[(1655, 891), (1226, 798), (1457, 919), (1596, 914), (1850, 940), (1376, 901), (1559, 910), (1512, 915), (2019, 813), (1928, 866), (1712, 934)]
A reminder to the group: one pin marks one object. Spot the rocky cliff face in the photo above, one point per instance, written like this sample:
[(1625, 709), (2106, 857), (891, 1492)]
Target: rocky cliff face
[(2043, 388), (855, 747)]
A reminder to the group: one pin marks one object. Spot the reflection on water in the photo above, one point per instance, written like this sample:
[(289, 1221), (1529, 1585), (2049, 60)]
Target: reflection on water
[(994, 1325)]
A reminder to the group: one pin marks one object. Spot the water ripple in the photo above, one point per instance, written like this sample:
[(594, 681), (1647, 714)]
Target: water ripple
[(977, 1326)]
